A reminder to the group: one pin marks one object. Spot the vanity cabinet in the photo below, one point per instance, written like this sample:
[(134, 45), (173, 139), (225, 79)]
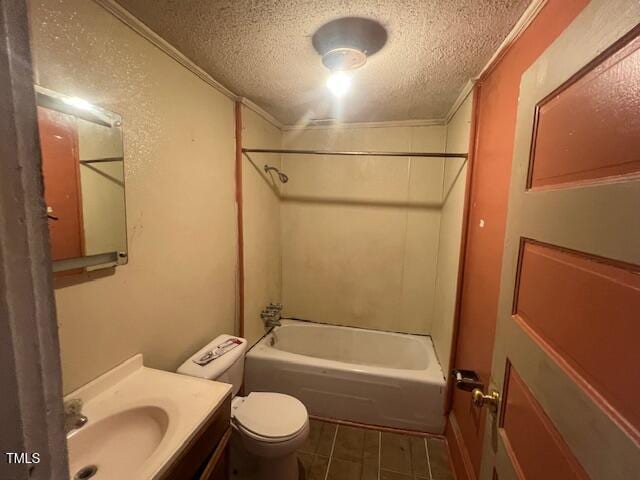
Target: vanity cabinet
[(206, 457)]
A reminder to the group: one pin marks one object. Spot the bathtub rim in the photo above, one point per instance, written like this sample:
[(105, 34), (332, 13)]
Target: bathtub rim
[(433, 374)]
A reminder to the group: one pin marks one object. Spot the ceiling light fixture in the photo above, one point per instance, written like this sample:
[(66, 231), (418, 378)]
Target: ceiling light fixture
[(344, 58), (339, 83), (345, 44)]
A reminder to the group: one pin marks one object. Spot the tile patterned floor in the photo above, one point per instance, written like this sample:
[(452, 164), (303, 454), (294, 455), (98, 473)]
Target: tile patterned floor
[(340, 452)]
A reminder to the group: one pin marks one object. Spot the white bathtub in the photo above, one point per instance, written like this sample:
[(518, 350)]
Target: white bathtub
[(366, 376)]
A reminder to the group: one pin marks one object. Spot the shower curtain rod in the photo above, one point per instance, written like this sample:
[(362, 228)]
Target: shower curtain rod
[(356, 153)]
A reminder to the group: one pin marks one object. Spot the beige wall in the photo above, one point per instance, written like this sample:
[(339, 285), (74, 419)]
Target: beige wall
[(261, 219), (178, 290), (360, 234), (455, 176)]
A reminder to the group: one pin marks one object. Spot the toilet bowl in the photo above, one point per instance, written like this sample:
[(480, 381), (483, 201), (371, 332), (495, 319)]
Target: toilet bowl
[(269, 426)]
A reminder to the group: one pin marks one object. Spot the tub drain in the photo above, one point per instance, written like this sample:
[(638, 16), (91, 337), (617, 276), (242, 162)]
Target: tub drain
[(85, 472)]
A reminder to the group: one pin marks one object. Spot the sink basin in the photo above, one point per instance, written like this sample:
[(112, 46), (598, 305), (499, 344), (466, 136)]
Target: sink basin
[(141, 429), (140, 420)]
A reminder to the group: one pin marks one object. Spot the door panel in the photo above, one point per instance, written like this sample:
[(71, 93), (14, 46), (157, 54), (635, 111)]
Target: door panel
[(564, 356), (581, 308), (600, 445), (526, 430), (587, 130)]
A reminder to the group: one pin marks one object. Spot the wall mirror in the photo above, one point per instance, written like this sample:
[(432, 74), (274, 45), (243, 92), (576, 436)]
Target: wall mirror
[(83, 168)]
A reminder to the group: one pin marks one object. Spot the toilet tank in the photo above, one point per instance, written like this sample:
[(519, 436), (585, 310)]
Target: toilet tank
[(227, 368)]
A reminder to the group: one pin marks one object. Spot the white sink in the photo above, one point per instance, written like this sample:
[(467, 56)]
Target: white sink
[(100, 444), (139, 420)]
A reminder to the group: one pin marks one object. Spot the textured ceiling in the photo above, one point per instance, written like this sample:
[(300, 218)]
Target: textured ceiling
[(261, 49)]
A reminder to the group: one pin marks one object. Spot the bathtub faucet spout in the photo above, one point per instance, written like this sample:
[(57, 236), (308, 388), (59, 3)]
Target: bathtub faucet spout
[(271, 315)]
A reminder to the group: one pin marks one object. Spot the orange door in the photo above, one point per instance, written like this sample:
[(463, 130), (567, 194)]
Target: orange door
[(59, 147), (565, 359), (495, 106)]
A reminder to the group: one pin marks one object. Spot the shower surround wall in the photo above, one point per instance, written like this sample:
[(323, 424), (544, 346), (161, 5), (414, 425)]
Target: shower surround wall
[(360, 234), (451, 224), (261, 221)]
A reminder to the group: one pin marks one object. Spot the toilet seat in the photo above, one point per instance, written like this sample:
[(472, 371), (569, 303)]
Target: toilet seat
[(269, 417)]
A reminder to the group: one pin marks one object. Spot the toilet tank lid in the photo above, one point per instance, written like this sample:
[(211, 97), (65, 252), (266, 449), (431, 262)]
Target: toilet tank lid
[(217, 366)]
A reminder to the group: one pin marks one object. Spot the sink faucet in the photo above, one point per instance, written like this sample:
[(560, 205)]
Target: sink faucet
[(73, 417), (271, 315)]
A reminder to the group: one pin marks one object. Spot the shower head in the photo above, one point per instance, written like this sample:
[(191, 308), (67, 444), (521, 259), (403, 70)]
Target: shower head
[(281, 176)]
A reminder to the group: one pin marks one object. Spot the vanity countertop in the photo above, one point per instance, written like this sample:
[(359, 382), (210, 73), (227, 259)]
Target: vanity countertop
[(139, 420)]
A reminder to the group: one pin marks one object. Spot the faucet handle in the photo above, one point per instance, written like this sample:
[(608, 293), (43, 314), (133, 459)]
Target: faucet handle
[(73, 406), (275, 306), (73, 417)]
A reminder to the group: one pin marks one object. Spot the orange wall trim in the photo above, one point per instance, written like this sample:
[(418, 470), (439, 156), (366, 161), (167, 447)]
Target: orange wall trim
[(238, 116), (461, 463)]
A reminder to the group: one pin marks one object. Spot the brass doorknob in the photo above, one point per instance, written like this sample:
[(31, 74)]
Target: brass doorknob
[(479, 399)]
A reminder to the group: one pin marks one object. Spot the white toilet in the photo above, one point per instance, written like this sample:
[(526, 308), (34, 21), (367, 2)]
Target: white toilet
[(270, 426)]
